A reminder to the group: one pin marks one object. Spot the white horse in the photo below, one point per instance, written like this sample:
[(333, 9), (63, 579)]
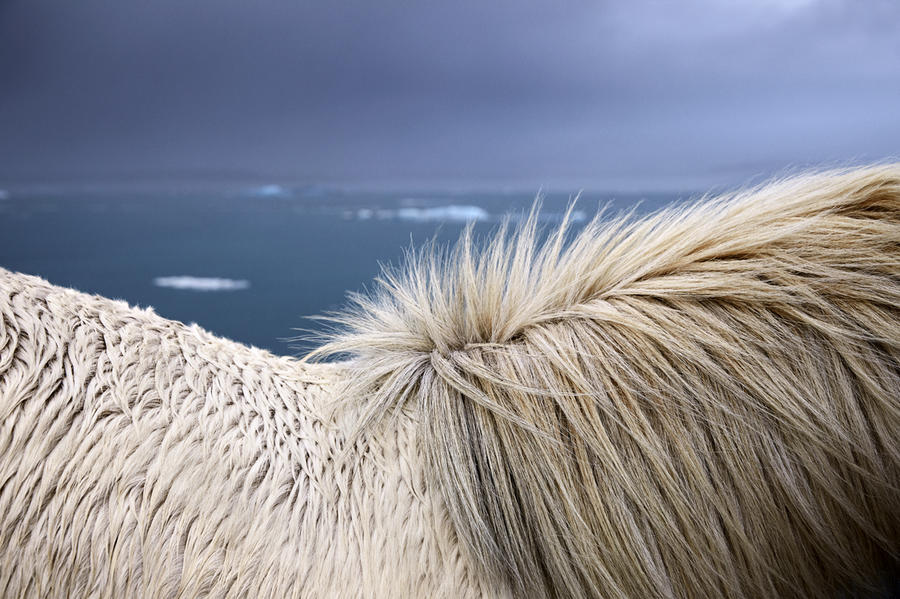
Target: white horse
[(704, 402)]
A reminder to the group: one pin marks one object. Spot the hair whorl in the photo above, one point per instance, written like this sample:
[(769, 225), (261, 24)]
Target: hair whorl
[(704, 402)]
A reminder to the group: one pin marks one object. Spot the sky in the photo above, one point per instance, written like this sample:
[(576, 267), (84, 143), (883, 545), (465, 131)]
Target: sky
[(640, 93)]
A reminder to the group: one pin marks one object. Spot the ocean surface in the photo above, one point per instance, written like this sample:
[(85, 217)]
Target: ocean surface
[(250, 264)]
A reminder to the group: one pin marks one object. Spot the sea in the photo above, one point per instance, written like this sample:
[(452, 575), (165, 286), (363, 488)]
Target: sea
[(253, 263)]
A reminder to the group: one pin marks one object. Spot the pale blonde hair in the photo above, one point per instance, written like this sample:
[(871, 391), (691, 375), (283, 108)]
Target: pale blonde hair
[(704, 402)]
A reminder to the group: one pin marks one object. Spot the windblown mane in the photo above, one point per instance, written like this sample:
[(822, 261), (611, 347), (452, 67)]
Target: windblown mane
[(704, 402)]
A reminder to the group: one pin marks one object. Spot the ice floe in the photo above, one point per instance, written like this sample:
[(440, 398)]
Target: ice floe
[(201, 283)]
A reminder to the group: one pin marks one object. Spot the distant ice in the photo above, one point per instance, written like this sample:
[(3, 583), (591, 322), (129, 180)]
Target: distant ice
[(201, 283), (443, 213), (270, 191), (4, 195), (451, 213)]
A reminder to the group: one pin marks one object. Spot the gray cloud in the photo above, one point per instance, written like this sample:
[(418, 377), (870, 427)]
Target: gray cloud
[(615, 93)]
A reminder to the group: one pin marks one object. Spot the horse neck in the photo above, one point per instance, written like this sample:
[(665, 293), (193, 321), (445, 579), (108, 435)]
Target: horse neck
[(356, 516), (163, 456)]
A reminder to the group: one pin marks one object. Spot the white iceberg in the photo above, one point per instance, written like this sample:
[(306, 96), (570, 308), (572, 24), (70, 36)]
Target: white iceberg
[(270, 191), (443, 213), (201, 283)]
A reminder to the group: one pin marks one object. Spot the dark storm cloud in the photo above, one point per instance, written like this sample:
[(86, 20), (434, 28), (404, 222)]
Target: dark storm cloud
[(586, 93)]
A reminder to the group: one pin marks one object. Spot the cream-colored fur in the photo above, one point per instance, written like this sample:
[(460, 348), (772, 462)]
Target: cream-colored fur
[(143, 458), (702, 403)]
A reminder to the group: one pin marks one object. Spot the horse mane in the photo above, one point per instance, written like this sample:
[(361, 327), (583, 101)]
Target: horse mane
[(701, 402)]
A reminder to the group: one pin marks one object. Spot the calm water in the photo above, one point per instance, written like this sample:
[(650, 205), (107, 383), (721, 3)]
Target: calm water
[(248, 265)]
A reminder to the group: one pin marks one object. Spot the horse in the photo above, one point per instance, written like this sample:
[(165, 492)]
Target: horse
[(700, 402)]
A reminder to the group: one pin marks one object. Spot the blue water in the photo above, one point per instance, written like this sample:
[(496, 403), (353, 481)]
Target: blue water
[(281, 254)]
